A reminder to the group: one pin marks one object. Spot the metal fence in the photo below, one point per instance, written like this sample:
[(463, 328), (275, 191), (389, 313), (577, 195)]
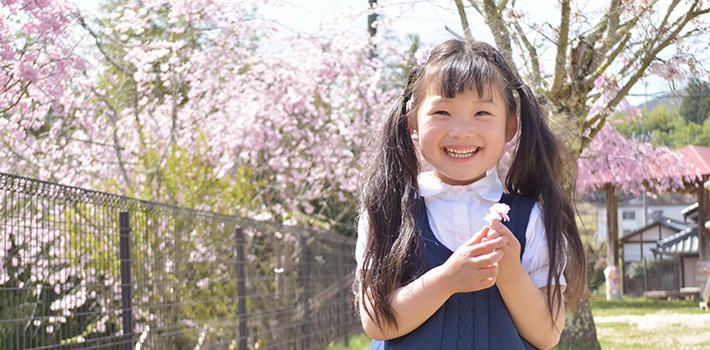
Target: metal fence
[(89, 270)]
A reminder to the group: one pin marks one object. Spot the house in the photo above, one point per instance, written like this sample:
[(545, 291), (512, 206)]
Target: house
[(682, 248), (667, 252), (631, 215), (639, 245)]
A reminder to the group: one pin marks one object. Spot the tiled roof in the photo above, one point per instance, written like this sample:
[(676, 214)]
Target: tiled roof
[(679, 226), (699, 156), (659, 220), (682, 243)]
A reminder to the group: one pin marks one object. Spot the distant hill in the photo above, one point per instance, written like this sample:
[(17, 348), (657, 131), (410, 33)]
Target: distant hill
[(672, 99)]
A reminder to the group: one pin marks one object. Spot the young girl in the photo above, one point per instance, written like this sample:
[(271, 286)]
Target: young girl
[(432, 274)]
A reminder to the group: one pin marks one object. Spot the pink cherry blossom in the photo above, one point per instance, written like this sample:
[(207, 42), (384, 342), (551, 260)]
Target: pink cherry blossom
[(498, 211)]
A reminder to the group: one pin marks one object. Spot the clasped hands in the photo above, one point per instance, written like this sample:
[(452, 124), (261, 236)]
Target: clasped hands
[(491, 256)]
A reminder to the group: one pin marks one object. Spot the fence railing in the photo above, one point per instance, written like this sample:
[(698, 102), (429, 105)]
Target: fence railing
[(82, 269)]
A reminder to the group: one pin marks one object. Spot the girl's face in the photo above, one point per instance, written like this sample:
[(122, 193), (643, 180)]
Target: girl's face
[(464, 136)]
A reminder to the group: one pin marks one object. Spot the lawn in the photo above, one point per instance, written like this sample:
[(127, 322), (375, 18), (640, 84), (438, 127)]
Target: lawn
[(639, 323), (631, 323)]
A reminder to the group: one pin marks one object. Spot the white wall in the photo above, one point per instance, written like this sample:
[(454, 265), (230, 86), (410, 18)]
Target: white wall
[(632, 250), (630, 225)]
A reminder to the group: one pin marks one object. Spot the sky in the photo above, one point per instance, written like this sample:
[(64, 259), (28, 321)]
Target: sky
[(429, 19)]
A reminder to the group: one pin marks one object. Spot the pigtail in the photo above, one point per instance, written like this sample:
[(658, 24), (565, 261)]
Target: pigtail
[(542, 169), (388, 197)]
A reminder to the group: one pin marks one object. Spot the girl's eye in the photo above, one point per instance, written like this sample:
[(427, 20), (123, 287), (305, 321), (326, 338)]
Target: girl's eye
[(482, 113), (440, 113)]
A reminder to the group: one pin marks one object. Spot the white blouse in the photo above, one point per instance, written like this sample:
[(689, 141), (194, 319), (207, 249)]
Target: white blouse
[(456, 213)]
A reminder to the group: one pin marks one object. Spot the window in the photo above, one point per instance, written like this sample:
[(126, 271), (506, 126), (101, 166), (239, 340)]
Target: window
[(628, 215)]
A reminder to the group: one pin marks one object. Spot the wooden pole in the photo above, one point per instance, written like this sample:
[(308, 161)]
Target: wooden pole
[(612, 273), (612, 226), (703, 208), (703, 265)]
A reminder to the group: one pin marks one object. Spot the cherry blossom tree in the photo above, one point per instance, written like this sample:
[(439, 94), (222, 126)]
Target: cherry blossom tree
[(168, 86), (632, 166), (200, 103), (40, 78)]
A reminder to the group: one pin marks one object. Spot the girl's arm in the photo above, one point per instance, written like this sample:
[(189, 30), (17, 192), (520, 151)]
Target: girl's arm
[(526, 303), (471, 267)]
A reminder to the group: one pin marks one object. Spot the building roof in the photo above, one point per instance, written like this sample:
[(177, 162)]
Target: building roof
[(690, 212), (657, 221), (698, 156), (682, 243)]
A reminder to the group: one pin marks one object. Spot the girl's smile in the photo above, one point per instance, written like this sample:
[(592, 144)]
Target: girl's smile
[(463, 153), (464, 136)]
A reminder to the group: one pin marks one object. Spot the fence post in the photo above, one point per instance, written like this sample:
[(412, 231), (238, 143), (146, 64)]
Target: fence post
[(343, 309), (241, 290), (126, 285), (305, 296)]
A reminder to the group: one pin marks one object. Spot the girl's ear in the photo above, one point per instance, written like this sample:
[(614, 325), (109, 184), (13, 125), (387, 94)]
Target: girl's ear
[(512, 127), (412, 128)]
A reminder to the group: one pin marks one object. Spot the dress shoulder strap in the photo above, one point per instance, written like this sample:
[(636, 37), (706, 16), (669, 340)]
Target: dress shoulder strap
[(520, 209)]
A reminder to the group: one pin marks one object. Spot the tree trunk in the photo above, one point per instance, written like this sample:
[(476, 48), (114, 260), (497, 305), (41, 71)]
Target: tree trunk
[(580, 331)]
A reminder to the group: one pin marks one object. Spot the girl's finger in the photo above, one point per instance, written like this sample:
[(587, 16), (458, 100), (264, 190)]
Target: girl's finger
[(501, 230), (487, 247), (478, 236), (488, 259), (492, 234)]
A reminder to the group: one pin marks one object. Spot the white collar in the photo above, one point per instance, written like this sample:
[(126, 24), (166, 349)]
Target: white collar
[(488, 187)]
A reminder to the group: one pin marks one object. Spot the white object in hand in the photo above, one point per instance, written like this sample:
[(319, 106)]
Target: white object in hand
[(498, 211)]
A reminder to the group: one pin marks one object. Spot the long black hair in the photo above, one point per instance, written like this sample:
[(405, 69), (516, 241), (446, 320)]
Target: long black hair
[(541, 169)]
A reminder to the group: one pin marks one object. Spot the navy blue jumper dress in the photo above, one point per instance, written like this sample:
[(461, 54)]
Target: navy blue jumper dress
[(475, 320)]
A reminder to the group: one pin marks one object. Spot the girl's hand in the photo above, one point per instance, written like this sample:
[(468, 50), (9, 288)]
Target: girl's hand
[(474, 265), (509, 264)]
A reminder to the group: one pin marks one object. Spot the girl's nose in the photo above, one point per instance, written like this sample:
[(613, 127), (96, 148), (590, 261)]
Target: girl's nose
[(462, 128)]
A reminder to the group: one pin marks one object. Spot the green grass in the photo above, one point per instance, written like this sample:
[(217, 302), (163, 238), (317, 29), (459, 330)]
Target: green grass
[(642, 306), (355, 342), (640, 323), (630, 323)]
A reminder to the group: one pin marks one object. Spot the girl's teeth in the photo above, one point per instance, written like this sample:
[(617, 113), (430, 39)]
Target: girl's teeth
[(461, 153)]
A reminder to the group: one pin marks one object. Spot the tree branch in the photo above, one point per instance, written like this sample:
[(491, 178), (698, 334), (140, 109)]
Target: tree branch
[(464, 20), (534, 58), (494, 20), (100, 46), (453, 32), (606, 63), (650, 56), (594, 123), (116, 146), (562, 42), (477, 6)]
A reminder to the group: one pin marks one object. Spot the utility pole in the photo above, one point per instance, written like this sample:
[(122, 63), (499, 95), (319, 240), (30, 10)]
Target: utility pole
[(372, 26), (372, 18)]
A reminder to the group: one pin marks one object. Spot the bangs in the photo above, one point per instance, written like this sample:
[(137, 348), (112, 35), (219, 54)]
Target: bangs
[(457, 73)]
